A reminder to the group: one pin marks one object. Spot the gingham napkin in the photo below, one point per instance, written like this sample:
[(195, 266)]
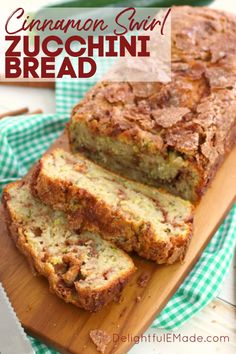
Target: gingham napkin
[(24, 139)]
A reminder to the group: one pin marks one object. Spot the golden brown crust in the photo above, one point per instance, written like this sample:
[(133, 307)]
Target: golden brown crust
[(194, 114), (82, 297), (94, 214)]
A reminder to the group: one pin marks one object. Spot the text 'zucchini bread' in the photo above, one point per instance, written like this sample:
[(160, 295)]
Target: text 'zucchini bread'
[(155, 224), (173, 135), (81, 268)]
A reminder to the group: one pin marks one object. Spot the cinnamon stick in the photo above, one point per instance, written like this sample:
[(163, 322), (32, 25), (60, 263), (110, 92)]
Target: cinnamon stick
[(42, 84), (16, 112), (37, 111), (20, 111)]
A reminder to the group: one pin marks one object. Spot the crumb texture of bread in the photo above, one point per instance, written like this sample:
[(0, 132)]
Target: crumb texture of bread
[(81, 267), (136, 217), (172, 135)]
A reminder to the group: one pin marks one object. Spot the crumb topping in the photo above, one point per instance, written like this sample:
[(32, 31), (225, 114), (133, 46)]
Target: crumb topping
[(100, 338), (192, 114), (143, 280)]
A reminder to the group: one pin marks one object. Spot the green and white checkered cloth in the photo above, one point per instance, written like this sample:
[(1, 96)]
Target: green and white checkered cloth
[(23, 140)]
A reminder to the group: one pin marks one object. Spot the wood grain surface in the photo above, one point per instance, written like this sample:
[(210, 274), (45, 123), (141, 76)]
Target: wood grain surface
[(66, 327)]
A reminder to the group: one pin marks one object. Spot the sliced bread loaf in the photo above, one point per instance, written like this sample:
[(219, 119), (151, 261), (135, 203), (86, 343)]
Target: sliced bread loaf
[(81, 268), (155, 224)]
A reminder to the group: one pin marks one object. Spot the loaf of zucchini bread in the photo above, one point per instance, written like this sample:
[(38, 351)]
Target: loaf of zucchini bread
[(173, 135), (81, 267), (155, 224)]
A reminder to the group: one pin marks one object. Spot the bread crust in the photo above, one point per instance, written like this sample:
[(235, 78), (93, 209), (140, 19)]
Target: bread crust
[(85, 298), (96, 215), (193, 115)]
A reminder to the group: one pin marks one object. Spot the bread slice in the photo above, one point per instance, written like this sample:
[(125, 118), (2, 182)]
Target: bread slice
[(155, 224), (81, 268)]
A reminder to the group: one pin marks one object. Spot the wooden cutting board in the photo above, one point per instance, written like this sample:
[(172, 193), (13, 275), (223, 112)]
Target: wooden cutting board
[(66, 327)]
